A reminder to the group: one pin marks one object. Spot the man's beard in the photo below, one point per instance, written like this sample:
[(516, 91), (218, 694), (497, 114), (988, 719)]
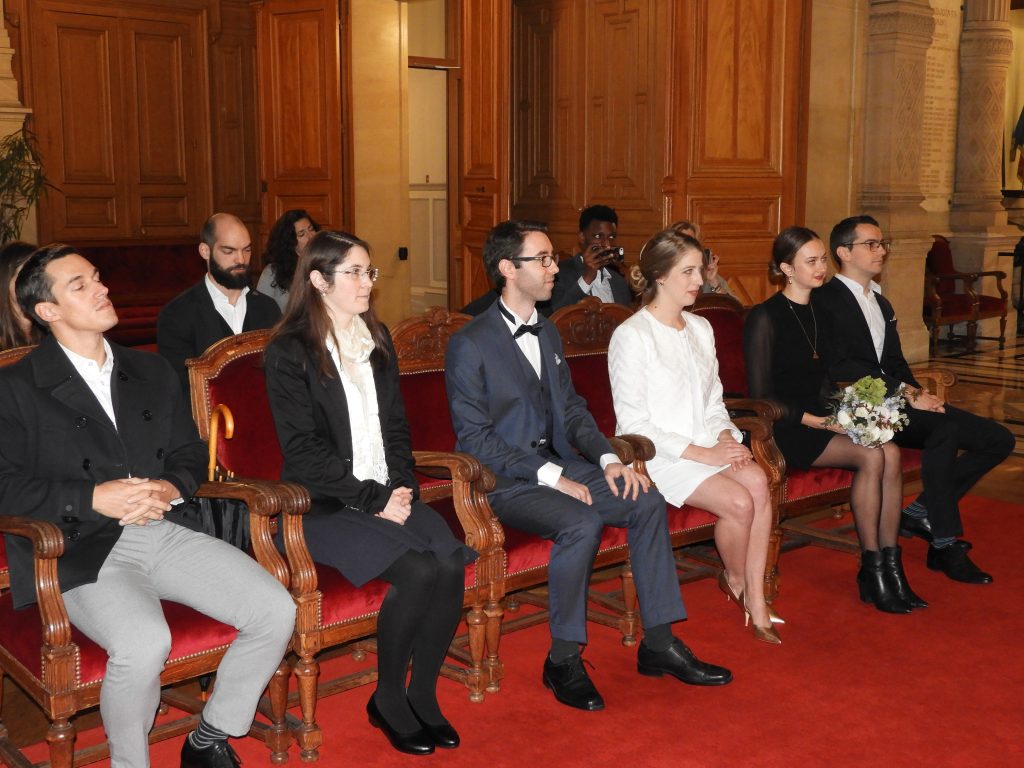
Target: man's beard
[(233, 281)]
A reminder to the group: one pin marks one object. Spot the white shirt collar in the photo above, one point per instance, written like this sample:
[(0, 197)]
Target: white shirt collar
[(220, 299), (856, 288)]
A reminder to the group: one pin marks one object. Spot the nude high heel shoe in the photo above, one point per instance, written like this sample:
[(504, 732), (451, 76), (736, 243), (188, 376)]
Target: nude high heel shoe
[(764, 634), (723, 584)]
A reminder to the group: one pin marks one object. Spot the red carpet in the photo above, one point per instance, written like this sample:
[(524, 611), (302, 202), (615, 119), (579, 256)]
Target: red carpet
[(848, 686)]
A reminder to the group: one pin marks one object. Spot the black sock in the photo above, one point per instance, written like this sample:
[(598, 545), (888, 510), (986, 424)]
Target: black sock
[(206, 735), (658, 638), (563, 650)]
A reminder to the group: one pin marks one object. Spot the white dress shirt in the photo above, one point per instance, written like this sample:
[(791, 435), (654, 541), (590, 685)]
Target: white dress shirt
[(869, 306), (233, 314), (601, 287)]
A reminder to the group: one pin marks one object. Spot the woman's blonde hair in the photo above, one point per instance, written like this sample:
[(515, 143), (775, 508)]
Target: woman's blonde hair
[(657, 257)]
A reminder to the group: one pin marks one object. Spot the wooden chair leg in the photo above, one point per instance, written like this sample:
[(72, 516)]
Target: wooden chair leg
[(308, 736), (629, 621), (61, 738), (972, 335), (771, 571), (278, 738), (1002, 331), (494, 668), (475, 625)]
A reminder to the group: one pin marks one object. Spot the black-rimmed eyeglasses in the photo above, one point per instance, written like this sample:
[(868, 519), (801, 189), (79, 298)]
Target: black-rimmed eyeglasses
[(545, 260), (872, 245)]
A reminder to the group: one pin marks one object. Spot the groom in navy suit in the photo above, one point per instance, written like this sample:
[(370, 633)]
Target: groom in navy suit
[(513, 406)]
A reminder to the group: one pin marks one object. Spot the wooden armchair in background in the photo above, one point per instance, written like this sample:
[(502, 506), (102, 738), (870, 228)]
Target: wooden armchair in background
[(229, 379), (62, 670), (952, 297)]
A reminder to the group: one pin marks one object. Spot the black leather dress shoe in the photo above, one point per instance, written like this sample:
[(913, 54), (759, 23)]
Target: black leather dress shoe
[(571, 684), (217, 755), (444, 736), (415, 743), (678, 660), (915, 526), (954, 562)]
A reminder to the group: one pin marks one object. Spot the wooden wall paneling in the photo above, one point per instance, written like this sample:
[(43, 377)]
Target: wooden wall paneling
[(166, 108), (234, 132), (77, 120), (303, 127), (737, 116), (483, 194), (548, 89)]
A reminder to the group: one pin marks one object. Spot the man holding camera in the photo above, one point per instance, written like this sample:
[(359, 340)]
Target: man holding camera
[(593, 271)]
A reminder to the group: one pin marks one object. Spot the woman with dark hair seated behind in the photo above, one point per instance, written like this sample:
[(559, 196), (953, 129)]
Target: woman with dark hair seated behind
[(287, 238), (16, 330), (332, 382), (788, 347)]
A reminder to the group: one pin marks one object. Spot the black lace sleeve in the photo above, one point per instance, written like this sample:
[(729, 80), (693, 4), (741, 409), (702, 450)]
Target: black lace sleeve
[(759, 351)]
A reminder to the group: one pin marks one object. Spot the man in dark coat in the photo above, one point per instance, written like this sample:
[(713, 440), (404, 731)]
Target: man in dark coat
[(220, 305), (959, 447), (513, 406), (97, 440), (594, 270)]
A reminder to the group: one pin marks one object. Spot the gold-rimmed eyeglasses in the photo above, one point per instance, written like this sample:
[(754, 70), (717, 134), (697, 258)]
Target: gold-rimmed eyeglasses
[(355, 274)]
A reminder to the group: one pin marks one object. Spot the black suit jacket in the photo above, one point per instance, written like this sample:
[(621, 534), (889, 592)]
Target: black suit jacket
[(855, 355), (567, 286), (57, 444), (494, 412), (189, 324)]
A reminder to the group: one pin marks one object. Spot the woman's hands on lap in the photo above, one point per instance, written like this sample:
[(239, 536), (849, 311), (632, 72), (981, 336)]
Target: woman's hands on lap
[(399, 506)]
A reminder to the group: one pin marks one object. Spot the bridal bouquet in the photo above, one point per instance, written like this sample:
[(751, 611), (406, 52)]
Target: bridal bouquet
[(866, 414)]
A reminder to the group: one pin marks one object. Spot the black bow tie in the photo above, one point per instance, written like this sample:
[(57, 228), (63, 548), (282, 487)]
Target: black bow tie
[(522, 329)]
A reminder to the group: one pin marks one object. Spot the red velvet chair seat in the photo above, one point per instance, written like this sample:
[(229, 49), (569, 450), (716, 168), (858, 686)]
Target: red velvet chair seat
[(955, 304), (192, 634), (687, 518)]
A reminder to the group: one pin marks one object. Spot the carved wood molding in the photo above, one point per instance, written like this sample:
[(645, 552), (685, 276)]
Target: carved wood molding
[(420, 341)]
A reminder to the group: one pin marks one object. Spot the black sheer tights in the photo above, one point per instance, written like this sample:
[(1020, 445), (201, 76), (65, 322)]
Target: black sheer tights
[(416, 622), (875, 495)]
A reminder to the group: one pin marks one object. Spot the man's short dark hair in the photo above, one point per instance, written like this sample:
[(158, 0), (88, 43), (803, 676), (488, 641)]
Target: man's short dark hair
[(505, 241), (845, 232), (34, 285), (598, 213), (208, 234)]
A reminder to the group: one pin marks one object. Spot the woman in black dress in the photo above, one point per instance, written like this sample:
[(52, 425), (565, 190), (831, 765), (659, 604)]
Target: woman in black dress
[(332, 382), (789, 347)]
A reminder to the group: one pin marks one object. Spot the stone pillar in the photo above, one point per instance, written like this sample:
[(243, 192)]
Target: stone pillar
[(899, 34), (978, 218), (12, 111)]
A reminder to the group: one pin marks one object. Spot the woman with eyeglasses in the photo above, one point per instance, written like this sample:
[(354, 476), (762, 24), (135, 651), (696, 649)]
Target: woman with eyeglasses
[(789, 344), (332, 382), (665, 386), (290, 234)]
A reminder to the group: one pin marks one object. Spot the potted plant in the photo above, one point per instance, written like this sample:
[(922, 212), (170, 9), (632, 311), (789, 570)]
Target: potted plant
[(21, 181)]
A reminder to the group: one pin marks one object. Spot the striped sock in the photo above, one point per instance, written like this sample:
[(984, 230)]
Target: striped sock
[(916, 510), (206, 735)]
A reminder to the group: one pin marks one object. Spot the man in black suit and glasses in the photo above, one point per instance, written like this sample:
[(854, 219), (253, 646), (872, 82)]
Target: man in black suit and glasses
[(959, 447)]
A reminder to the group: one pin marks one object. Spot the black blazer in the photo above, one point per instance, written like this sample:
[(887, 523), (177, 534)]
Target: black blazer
[(313, 428), (567, 287), (189, 324), (855, 355), (57, 444), (494, 411)]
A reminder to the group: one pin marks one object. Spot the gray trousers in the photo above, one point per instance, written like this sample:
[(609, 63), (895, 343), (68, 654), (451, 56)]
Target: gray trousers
[(121, 613)]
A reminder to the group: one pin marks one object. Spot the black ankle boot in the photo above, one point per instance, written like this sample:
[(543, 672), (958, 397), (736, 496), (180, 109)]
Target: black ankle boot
[(892, 567), (873, 587)]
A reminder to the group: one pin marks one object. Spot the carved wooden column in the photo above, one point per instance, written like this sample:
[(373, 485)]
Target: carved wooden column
[(899, 34), (978, 218), (12, 111)]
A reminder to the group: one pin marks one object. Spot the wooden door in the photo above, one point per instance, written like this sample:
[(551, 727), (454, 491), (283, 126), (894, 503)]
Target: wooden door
[(483, 157), (303, 126)]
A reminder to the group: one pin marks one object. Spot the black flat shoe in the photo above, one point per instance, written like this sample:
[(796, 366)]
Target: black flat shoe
[(217, 755), (444, 736), (415, 743), (954, 562), (571, 684), (680, 662), (915, 526)]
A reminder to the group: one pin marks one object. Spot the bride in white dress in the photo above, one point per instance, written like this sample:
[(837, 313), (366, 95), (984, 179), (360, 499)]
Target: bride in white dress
[(665, 386)]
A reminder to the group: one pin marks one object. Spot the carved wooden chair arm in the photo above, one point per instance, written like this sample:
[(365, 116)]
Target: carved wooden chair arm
[(999, 275), (762, 445), (471, 482), (47, 546), (264, 500), (764, 408), (939, 379)]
